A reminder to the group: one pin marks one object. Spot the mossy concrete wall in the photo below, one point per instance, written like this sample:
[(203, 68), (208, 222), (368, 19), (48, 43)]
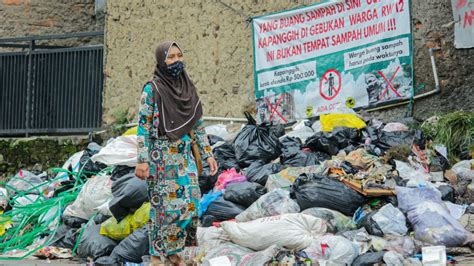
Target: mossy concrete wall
[(218, 51)]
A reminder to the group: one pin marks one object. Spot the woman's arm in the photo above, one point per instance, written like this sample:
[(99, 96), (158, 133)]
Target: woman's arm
[(145, 118), (202, 141)]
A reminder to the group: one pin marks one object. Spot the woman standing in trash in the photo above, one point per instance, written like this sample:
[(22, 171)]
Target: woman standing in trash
[(170, 110)]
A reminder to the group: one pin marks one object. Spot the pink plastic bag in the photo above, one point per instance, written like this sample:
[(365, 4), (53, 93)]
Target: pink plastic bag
[(228, 177)]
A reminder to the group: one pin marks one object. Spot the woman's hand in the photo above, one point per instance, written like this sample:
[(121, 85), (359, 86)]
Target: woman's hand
[(142, 170), (212, 164)]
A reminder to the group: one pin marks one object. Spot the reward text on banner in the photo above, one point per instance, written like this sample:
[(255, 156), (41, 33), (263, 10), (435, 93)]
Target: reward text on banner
[(309, 61)]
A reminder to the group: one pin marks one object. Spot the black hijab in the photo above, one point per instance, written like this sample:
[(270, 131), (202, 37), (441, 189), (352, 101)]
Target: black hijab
[(179, 105)]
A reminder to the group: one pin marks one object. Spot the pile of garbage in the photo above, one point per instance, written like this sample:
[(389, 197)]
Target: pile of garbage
[(340, 190)]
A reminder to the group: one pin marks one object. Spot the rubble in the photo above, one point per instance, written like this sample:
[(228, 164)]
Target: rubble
[(351, 190)]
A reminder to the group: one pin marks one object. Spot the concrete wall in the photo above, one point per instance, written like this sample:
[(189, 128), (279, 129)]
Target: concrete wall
[(218, 51), (38, 17)]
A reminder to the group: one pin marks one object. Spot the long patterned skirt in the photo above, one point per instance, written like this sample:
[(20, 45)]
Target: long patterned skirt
[(174, 194)]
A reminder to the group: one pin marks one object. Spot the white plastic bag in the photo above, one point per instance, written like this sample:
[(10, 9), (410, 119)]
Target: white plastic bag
[(391, 220), (273, 203), (406, 171), (332, 249), (95, 192), (430, 218), (463, 169), (292, 231), (210, 237), (219, 130), (238, 256), (74, 162), (119, 151)]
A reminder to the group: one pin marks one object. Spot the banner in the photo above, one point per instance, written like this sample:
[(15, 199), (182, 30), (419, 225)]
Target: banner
[(311, 60), (463, 12)]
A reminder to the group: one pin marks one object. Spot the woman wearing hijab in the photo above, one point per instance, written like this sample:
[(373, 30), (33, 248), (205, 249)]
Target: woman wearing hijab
[(169, 110)]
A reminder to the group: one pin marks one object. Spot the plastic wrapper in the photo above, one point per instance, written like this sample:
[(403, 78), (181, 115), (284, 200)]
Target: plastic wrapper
[(240, 256), (273, 203), (430, 218), (258, 171), (228, 177), (244, 193), (292, 231), (223, 210), (311, 190), (332, 249), (391, 220), (336, 221), (257, 142)]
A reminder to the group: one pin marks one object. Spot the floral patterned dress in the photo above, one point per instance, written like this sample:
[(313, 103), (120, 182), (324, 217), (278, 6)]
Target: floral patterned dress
[(173, 187)]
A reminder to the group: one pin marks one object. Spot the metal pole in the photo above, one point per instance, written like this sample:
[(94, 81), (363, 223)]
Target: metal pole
[(29, 86)]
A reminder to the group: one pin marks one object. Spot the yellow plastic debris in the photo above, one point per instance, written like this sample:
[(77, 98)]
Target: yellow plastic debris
[(130, 131), (132, 222), (330, 121)]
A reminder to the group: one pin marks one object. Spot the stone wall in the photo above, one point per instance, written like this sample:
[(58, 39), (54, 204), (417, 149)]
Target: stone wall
[(218, 53), (39, 17)]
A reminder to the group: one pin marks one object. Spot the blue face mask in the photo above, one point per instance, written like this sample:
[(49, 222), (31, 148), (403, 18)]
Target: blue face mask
[(175, 69)]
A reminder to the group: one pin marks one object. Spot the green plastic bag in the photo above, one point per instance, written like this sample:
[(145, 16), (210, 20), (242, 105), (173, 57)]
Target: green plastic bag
[(132, 222)]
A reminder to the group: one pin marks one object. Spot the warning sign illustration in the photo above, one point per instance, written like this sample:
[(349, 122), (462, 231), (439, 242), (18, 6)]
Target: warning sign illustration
[(330, 84)]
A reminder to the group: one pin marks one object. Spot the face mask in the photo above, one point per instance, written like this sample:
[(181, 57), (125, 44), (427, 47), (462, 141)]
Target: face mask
[(176, 69)]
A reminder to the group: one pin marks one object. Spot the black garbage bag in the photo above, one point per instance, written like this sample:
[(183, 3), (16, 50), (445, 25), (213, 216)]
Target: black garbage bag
[(369, 258), (129, 193), (244, 193), (256, 142), (73, 222), (206, 180), (439, 164), (100, 218), (332, 142), (225, 157), (133, 247), (65, 237), (370, 225), (292, 155), (213, 139), (89, 168), (311, 190), (207, 220), (396, 138), (258, 171), (447, 193), (93, 244), (223, 210)]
